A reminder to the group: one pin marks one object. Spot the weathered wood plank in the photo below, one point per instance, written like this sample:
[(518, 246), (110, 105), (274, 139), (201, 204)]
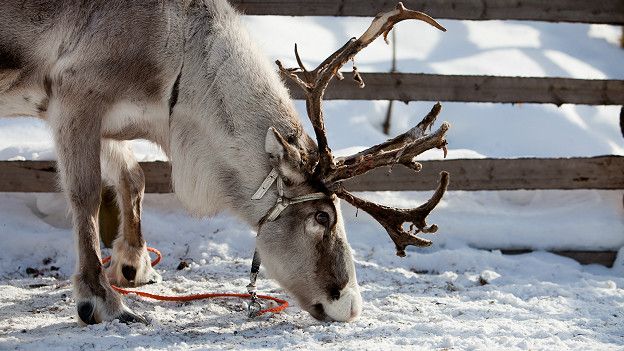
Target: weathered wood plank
[(157, 177), (603, 11), (605, 258), (605, 172), (434, 87), (41, 177), (28, 176)]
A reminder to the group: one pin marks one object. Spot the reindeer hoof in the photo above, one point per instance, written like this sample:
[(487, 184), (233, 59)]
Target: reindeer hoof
[(86, 312), (128, 272), (131, 266), (129, 317)]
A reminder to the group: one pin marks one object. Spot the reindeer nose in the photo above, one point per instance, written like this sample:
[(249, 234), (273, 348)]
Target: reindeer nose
[(335, 289), (334, 293), (347, 307), (356, 309)]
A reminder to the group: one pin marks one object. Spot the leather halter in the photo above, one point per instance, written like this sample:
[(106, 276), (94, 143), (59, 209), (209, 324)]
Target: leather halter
[(282, 202)]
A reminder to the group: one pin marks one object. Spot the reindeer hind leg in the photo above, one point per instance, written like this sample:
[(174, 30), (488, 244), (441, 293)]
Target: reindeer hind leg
[(130, 264)]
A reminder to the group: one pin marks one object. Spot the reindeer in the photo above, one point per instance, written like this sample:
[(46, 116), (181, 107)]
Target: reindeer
[(186, 75)]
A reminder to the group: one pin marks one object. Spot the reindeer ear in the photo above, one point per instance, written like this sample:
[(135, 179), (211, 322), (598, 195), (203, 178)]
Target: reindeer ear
[(284, 156), (274, 144)]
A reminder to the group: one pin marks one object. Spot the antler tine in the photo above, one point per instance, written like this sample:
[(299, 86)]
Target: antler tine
[(393, 219), (299, 62), (314, 107), (405, 156), (402, 149), (401, 140), (290, 73), (384, 22)]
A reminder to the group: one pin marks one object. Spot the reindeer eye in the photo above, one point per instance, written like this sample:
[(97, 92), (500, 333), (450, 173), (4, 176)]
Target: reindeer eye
[(322, 218)]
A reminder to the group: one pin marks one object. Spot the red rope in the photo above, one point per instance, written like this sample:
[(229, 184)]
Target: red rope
[(282, 303)]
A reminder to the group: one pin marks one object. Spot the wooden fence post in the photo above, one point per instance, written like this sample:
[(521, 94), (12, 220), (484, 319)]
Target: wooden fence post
[(622, 111), (622, 120), (386, 124)]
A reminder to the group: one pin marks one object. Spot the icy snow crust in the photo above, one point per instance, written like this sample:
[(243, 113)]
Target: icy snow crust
[(450, 296)]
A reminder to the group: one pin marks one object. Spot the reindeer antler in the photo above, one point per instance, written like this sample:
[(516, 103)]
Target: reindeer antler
[(400, 150)]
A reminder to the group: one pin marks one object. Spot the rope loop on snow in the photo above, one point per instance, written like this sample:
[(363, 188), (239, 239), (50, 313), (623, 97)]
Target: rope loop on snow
[(282, 304)]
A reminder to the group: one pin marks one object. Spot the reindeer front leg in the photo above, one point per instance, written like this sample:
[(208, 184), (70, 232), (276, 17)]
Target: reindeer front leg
[(75, 117), (130, 264)]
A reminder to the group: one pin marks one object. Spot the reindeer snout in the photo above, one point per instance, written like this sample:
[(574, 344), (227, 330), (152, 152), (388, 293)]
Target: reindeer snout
[(346, 308)]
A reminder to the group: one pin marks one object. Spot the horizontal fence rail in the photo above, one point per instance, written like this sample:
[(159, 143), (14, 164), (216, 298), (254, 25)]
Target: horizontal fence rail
[(605, 258), (466, 88), (604, 172), (583, 11)]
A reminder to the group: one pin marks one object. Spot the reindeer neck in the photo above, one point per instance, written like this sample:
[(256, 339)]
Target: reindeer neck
[(229, 95)]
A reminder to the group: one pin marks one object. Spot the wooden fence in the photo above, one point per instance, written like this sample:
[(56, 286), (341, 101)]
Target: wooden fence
[(604, 172), (582, 11)]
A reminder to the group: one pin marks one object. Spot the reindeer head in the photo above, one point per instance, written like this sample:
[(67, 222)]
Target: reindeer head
[(302, 241)]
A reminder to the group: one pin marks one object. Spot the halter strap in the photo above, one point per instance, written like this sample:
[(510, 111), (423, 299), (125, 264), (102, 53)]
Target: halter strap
[(266, 184), (282, 202)]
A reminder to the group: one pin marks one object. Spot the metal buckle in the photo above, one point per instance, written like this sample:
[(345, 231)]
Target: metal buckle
[(279, 207), (254, 307)]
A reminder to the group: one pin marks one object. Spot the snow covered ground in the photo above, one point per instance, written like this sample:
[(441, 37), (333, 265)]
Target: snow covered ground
[(450, 296), (442, 298)]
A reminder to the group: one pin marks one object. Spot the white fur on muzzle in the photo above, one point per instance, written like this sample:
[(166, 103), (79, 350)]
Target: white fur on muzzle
[(347, 308)]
